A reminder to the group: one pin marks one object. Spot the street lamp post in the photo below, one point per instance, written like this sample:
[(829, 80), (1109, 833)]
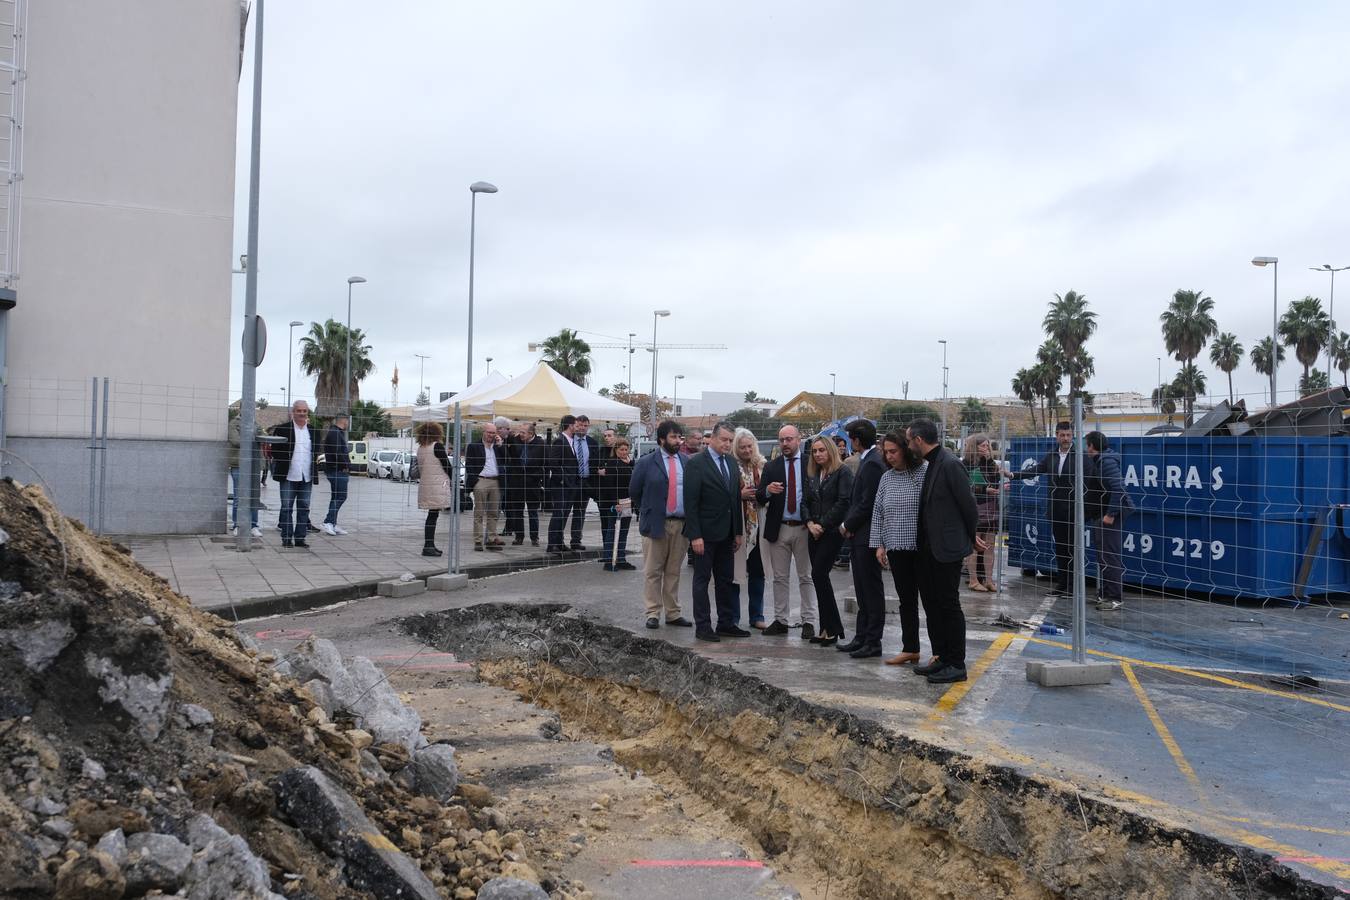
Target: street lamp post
[(631, 335), (487, 367), (248, 423), (421, 376), (478, 187), (834, 382), (1331, 314), (675, 397), (1160, 388), (1274, 263), (943, 342), (347, 384), (290, 357), (656, 315)]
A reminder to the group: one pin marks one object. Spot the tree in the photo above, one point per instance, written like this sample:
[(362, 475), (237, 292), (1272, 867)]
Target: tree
[(1226, 353), (975, 415), (603, 392), (1187, 325), (1024, 386), (323, 354), (1189, 384), (899, 413), (368, 416), (423, 399), (1069, 323), (1314, 382), (1260, 357), (1305, 327), (754, 397), (1340, 355), (1165, 399), (1049, 371), (260, 403), (569, 356)]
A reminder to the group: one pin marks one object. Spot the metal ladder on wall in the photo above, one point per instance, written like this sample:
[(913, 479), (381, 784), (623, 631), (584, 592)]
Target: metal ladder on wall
[(13, 60)]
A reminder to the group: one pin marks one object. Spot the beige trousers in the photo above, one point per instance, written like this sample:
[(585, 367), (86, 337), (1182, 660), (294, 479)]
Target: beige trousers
[(487, 500), (793, 544), (662, 560)]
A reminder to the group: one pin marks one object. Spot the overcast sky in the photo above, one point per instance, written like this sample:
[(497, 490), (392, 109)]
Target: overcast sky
[(820, 187)]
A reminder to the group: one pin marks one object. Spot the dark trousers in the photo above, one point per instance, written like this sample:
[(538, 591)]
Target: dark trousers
[(565, 500), (429, 529), (1061, 523), (905, 572), (524, 500), (294, 496), (607, 517), (754, 576), (337, 485), (509, 486), (718, 564), (578, 516), (1109, 569), (609, 524), (870, 591), (940, 590), (824, 552)]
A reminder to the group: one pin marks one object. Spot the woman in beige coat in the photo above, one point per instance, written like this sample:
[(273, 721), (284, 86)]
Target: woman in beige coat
[(749, 562), (433, 490)]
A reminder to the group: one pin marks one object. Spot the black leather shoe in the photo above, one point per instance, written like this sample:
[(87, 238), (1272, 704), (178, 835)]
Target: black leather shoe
[(866, 651), (825, 641), (732, 631), (653, 622), (608, 567), (681, 621), (430, 551), (286, 543), (710, 636), (850, 646), (302, 545), (808, 631), (776, 628), (928, 669), (947, 675), (534, 542), (625, 566), (520, 540), (558, 549), (578, 547)]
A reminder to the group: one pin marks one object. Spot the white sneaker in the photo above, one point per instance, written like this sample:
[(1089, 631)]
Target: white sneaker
[(339, 529), (255, 531), (328, 529), (234, 531)]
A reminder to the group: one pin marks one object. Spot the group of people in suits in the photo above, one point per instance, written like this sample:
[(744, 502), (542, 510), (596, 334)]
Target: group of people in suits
[(924, 528)]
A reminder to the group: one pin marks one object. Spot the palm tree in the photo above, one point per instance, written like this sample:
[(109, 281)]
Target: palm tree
[(1315, 382), (1024, 386), (323, 354), (1260, 357), (368, 416), (1305, 328), (1189, 384), (1187, 325), (1165, 399), (1049, 371), (1340, 355), (1226, 353), (569, 356), (1069, 323)]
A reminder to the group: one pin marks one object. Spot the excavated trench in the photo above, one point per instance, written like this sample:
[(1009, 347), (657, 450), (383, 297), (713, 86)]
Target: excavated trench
[(878, 813)]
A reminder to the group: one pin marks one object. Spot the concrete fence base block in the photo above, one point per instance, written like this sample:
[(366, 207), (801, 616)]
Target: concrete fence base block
[(447, 582), (397, 588), (1068, 674)]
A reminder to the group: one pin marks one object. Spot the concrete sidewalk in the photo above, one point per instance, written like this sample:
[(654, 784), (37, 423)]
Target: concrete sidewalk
[(385, 541)]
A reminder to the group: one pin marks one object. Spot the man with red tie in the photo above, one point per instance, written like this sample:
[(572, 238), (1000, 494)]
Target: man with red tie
[(785, 532), (657, 492)]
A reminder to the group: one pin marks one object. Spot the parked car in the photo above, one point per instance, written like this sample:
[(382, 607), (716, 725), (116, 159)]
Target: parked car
[(381, 464), (357, 457), (401, 468)]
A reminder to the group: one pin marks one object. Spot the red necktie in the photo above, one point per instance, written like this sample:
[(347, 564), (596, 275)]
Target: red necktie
[(671, 477), (792, 485)]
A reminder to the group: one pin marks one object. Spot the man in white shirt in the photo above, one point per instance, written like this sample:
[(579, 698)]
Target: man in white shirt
[(483, 463), (294, 467)]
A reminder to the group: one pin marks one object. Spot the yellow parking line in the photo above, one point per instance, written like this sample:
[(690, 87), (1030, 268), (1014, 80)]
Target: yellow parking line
[(1164, 733), (947, 702), (1181, 670)]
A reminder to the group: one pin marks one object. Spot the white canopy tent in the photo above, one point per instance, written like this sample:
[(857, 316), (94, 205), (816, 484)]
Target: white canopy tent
[(440, 412), (540, 394)]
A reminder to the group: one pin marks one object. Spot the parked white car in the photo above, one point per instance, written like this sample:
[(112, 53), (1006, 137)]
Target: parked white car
[(381, 463), (402, 466)]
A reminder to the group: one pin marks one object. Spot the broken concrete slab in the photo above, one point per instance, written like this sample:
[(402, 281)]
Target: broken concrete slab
[(39, 644), (144, 698), (400, 588), (223, 867), (448, 582), (435, 773), (155, 861), (511, 889), (328, 816), (367, 695)]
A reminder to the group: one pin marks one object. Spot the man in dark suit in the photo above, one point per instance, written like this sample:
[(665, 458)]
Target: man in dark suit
[(657, 492), (857, 530), (1058, 466), (296, 468), (526, 457), (589, 460), (565, 485), (482, 476), (947, 521), (714, 525), (781, 489), (507, 442), (1105, 503)]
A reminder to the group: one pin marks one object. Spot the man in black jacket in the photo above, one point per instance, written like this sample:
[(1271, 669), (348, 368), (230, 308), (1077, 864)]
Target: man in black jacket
[(947, 521), (295, 467), (1058, 466), (528, 458), (1105, 504), (564, 485), (714, 525), (336, 466), (857, 530)]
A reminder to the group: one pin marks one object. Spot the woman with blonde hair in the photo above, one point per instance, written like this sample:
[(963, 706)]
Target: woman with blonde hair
[(749, 562), (433, 490), (826, 495), (985, 478)]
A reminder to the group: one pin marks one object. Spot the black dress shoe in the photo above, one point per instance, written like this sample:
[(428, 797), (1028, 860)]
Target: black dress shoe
[(866, 651), (578, 547), (558, 549), (653, 622), (519, 540), (430, 551), (681, 621), (850, 646), (947, 675), (286, 543), (302, 545), (710, 636), (608, 567), (625, 565), (808, 631), (732, 631), (825, 641), (929, 669), (534, 542), (775, 628)]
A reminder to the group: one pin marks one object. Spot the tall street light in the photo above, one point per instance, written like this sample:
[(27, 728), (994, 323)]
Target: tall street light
[(631, 335), (943, 342), (675, 397), (421, 376), (290, 357), (1331, 313), (834, 382), (478, 187), (1274, 262), (657, 314), (487, 367), (347, 384)]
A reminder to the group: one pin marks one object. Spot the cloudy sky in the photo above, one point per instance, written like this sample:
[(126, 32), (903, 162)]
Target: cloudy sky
[(819, 187)]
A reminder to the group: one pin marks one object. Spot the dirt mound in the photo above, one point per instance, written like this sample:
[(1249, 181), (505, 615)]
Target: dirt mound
[(146, 749)]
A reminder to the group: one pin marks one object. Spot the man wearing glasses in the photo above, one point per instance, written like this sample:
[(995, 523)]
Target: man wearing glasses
[(295, 467)]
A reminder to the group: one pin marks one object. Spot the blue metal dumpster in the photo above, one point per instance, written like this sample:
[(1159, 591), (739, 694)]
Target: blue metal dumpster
[(1261, 517)]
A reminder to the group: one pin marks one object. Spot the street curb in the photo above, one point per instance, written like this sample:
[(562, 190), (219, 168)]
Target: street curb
[(299, 601)]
